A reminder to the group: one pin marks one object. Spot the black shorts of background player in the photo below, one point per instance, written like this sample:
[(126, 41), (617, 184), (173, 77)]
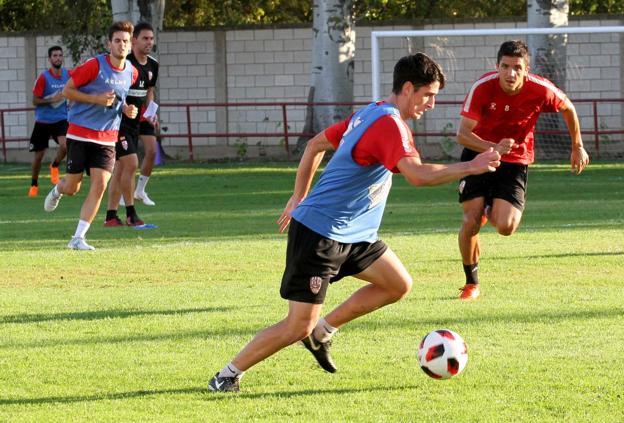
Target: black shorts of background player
[(122, 180)]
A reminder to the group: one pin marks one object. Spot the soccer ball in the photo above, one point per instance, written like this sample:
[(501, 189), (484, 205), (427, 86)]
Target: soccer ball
[(442, 354)]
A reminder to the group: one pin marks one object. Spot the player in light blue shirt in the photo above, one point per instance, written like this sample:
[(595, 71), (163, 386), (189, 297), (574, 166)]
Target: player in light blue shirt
[(333, 228)]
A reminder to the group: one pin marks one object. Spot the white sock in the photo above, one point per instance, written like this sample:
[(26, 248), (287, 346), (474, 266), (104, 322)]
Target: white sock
[(231, 371), (141, 183), (323, 331), (81, 230)]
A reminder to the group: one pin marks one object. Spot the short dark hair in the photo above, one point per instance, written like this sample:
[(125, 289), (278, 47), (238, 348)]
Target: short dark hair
[(54, 48), (513, 48), (142, 26), (120, 26), (419, 69)]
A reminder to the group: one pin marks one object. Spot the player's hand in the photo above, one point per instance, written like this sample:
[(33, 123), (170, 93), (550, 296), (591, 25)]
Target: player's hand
[(130, 110), (57, 97), (505, 145), (106, 99), (579, 159), (154, 121), (487, 161), (285, 217)]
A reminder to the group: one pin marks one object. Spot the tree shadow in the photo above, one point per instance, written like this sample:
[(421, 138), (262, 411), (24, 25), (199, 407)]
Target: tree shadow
[(130, 339), (566, 255), (521, 317), (210, 396), (104, 314), (540, 256)]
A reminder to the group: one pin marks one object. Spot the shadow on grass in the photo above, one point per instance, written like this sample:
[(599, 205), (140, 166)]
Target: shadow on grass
[(540, 256), (104, 314), (210, 396), (130, 339), (566, 255), (493, 318)]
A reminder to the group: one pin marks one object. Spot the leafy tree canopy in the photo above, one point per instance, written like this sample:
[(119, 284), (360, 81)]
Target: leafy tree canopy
[(90, 16)]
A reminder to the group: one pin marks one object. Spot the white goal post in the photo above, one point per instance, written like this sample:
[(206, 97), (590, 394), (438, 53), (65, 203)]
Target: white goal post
[(376, 35), (586, 62)]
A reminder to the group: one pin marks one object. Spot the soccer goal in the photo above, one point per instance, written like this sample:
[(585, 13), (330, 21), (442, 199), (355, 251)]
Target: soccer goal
[(586, 62)]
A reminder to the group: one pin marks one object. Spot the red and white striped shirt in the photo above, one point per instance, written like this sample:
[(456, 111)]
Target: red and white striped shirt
[(500, 115)]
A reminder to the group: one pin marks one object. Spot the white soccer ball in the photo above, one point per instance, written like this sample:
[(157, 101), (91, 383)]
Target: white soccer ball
[(442, 354)]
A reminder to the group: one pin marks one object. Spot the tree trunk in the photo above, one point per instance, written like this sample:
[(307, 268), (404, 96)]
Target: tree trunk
[(548, 59), (332, 61), (152, 11)]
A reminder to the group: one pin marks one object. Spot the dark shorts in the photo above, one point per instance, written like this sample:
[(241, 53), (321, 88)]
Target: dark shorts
[(83, 155), (127, 143), (42, 132), (146, 128), (313, 262), (508, 183)]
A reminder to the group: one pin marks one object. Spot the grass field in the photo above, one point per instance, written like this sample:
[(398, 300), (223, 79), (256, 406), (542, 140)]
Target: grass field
[(134, 330)]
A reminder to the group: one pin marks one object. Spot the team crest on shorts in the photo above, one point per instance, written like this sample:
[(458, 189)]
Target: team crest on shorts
[(315, 284), (124, 143), (462, 184)]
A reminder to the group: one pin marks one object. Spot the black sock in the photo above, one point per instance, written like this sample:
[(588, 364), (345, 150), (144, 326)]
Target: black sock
[(472, 276), (55, 164), (34, 182), (130, 212), (111, 214)]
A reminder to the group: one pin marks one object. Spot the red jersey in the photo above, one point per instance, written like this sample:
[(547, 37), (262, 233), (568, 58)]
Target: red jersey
[(386, 141), (500, 115)]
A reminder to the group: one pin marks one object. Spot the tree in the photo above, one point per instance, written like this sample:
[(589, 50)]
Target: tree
[(548, 59), (331, 76), (151, 11), (84, 25)]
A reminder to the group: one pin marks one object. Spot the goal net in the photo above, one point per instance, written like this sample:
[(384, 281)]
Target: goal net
[(587, 63)]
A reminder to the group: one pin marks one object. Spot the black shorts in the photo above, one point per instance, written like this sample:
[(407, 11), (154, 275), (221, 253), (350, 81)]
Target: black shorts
[(508, 182), (313, 262), (127, 143), (83, 155), (42, 132), (146, 128)]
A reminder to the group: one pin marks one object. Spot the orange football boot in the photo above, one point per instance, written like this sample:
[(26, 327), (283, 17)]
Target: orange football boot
[(33, 191), (54, 175), (470, 291)]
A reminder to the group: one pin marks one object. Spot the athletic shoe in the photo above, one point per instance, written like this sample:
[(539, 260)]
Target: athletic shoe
[(320, 351), (78, 243), (224, 384), (113, 223), (134, 221), (54, 175), (143, 197), (51, 201), (470, 291), (33, 191)]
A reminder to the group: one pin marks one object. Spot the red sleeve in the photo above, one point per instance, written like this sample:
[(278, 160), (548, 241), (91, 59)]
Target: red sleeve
[(555, 98), (334, 133), (473, 103), (39, 87), (85, 73), (386, 141), (135, 75)]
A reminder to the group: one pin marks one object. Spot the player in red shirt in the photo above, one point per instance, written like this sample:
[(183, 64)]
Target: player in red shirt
[(500, 111)]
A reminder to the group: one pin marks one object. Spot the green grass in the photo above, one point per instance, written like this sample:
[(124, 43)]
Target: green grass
[(134, 330)]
